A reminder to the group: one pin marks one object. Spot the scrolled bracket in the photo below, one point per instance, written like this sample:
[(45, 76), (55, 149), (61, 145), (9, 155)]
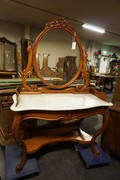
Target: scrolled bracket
[(28, 72), (85, 76)]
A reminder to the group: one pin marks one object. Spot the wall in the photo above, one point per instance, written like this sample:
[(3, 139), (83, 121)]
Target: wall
[(95, 46), (109, 49), (14, 32)]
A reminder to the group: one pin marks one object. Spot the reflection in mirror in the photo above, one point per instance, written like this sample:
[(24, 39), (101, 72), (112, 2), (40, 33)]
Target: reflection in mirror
[(58, 63)]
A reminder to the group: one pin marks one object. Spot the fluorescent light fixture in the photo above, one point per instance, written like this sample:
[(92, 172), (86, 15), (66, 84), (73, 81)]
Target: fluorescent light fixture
[(93, 28)]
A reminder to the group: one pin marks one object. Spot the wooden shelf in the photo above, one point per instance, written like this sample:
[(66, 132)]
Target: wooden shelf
[(33, 144)]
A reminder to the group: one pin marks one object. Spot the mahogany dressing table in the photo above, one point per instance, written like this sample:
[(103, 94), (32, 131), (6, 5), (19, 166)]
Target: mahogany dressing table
[(62, 106)]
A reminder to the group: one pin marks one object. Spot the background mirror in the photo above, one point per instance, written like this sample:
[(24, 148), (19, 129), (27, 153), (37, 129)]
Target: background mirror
[(58, 57)]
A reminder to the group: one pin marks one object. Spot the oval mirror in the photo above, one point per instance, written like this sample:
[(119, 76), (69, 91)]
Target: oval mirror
[(57, 57)]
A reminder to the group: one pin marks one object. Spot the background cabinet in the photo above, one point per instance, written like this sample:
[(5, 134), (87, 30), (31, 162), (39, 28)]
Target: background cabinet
[(6, 117), (8, 60), (7, 89), (111, 136)]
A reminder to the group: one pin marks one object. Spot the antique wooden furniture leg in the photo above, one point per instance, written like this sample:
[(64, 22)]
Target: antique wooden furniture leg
[(16, 134), (19, 166), (100, 131)]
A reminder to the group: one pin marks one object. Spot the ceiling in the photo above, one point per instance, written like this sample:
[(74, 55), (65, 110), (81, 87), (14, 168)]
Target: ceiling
[(102, 13)]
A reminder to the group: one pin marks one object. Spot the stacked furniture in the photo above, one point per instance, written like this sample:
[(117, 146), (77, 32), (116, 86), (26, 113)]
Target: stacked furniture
[(111, 136)]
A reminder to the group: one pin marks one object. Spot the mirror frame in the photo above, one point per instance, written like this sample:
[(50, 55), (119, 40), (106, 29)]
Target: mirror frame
[(61, 23)]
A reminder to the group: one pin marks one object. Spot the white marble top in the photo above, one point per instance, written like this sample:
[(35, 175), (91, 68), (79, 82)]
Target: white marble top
[(57, 102)]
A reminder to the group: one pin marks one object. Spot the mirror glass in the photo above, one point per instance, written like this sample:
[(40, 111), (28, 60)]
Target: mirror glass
[(57, 61)]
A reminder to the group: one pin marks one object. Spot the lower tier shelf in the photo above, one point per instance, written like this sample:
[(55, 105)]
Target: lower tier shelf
[(33, 144)]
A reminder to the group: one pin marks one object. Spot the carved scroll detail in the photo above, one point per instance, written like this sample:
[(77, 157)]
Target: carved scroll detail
[(58, 23), (84, 75), (28, 71)]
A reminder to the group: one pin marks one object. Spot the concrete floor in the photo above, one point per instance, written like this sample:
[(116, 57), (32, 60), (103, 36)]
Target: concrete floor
[(62, 161)]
